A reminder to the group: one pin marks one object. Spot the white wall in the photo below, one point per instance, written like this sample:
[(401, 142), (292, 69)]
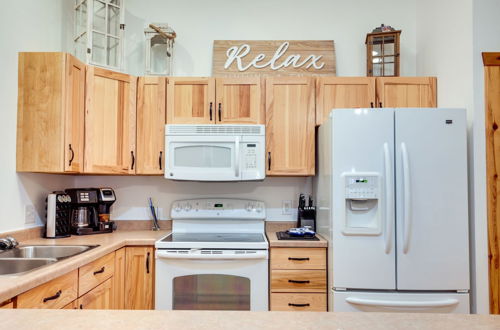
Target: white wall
[(198, 23), (28, 25)]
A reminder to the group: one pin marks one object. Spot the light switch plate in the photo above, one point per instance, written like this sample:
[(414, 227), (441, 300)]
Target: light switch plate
[(29, 214), (287, 207)]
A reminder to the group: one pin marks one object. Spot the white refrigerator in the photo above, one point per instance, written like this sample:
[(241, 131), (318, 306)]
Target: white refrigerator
[(391, 192)]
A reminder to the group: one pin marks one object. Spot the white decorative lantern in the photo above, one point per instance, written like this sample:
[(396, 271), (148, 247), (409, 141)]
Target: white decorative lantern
[(159, 49), (98, 31)]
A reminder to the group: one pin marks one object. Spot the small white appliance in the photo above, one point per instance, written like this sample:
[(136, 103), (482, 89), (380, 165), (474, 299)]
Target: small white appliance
[(215, 152), (391, 191), (216, 257)]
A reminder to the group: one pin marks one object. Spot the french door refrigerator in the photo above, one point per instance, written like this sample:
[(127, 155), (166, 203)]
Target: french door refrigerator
[(391, 191)]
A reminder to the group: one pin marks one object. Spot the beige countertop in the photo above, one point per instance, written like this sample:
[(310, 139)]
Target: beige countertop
[(275, 242), (114, 319), (12, 285)]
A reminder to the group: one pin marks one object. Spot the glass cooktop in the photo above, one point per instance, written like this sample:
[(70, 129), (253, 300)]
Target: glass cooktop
[(214, 237)]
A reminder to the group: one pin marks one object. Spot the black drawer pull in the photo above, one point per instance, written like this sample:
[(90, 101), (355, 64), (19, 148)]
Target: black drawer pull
[(99, 271), (299, 282), (72, 155), (380, 104), (133, 160), (57, 295), (159, 159), (299, 305), (371, 104), (147, 263), (298, 259)]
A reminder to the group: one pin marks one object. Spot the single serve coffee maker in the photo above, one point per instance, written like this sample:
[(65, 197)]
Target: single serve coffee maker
[(90, 211)]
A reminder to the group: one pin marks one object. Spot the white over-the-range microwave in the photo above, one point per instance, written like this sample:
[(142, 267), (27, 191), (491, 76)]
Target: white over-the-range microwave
[(215, 152)]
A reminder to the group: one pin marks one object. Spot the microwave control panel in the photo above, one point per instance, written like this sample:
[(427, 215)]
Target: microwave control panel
[(250, 155)]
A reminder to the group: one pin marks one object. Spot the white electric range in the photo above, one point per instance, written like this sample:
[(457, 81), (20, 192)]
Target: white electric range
[(216, 257)]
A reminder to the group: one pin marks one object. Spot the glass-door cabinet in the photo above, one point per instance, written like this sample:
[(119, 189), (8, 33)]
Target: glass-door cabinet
[(98, 32), (382, 54)]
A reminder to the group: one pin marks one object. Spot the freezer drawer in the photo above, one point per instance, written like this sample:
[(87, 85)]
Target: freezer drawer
[(395, 302)]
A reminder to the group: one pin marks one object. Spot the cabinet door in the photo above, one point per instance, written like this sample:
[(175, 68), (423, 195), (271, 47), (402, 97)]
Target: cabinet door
[(119, 280), (139, 279), (290, 129), (74, 115), (406, 92), (101, 297), (239, 100), (110, 122), (190, 100), (343, 92), (151, 125)]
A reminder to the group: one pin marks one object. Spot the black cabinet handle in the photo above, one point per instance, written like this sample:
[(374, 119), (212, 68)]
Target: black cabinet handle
[(72, 155), (371, 104), (299, 282), (159, 160), (133, 160), (81, 306), (99, 271), (57, 295), (210, 111), (298, 259), (220, 112), (299, 305), (380, 104), (147, 263), (269, 161)]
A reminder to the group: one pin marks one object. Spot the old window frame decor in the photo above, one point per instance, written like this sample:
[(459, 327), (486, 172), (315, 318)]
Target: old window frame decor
[(383, 52)]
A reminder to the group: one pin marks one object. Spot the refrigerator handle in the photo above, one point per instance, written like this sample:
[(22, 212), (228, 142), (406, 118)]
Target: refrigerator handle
[(389, 203), (403, 303), (407, 198)]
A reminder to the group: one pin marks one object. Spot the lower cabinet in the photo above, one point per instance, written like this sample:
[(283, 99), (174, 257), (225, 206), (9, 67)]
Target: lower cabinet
[(139, 278), (298, 279), (100, 297), (119, 279)]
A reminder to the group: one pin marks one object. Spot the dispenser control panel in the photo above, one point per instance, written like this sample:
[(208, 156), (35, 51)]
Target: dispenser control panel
[(361, 186)]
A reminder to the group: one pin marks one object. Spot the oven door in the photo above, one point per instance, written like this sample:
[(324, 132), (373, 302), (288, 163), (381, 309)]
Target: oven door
[(203, 158), (211, 280)]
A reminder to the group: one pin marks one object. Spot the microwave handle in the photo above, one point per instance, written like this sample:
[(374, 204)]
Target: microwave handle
[(237, 156)]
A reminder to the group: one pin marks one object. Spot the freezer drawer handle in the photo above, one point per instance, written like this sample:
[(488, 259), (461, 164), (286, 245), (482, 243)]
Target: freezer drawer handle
[(406, 199), (299, 305), (403, 303), (299, 282)]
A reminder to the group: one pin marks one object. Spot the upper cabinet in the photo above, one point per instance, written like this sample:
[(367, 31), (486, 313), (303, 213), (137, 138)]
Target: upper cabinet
[(343, 92), (151, 98), (51, 100), (406, 92), (110, 120), (290, 126), (240, 100), (190, 100)]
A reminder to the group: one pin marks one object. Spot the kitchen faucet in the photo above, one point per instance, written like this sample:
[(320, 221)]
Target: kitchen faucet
[(8, 242)]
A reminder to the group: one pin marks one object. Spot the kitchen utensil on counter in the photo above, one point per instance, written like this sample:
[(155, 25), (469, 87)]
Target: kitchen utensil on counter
[(154, 211), (80, 217)]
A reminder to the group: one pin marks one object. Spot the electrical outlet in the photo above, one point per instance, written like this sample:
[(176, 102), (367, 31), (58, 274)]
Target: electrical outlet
[(287, 207), (29, 214)]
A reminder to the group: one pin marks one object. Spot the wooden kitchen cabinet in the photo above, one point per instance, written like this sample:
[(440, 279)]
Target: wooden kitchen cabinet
[(190, 100), (51, 100), (298, 279), (119, 280), (343, 92), (96, 272), (54, 294), (406, 92), (101, 297), (139, 278), (240, 100), (151, 104), (290, 126), (110, 122)]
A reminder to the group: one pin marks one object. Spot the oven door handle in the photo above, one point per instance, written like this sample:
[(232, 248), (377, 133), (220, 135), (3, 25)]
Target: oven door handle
[(197, 255)]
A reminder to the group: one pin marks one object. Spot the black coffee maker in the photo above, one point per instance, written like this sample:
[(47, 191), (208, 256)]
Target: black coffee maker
[(90, 211)]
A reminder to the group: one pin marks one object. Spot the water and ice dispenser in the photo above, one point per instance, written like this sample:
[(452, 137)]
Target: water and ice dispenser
[(362, 203)]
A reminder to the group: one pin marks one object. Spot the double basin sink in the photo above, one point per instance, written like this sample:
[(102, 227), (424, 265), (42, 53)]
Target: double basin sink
[(22, 259)]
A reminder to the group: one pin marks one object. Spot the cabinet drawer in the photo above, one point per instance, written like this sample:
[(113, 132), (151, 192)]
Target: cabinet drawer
[(54, 294), (296, 258), (298, 280), (301, 302), (96, 272)]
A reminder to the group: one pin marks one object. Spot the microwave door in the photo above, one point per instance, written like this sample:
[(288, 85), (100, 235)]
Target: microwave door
[(217, 160)]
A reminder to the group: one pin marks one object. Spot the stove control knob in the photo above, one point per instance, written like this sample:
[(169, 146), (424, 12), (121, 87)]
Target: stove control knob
[(248, 207), (259, 208), (188, 207), (177, 207)]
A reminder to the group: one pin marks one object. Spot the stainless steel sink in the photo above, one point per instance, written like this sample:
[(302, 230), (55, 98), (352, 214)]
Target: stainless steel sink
[(16, 266), (46, 251)]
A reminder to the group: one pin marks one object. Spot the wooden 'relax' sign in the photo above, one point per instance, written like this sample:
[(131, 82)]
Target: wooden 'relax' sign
[(280, 57)]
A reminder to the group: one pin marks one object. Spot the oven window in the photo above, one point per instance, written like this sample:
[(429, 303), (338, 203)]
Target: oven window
[(211, 292), (203, 156)]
